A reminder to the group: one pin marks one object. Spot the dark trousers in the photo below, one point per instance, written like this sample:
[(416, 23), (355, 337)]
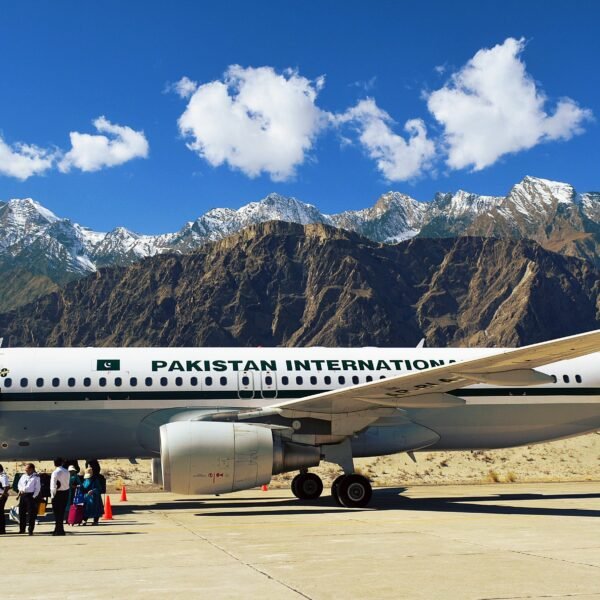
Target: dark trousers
[(3, 499), (27, 512), (59, 503)]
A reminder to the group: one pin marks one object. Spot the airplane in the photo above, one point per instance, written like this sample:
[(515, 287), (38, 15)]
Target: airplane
[(217, 420)]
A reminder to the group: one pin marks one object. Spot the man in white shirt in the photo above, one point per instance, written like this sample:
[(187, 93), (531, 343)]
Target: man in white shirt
[(29, 491), (59, 490), (4, 489)]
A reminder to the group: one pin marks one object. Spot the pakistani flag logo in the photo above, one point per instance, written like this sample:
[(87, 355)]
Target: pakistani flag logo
[(108, 365)]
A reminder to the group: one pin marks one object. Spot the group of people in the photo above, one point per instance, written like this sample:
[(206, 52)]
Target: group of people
[(67, 489)]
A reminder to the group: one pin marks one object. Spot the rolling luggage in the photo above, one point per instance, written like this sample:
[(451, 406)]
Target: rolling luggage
[(75, 514)]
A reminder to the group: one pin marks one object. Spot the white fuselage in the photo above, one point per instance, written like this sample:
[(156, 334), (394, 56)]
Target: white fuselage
[(109, 402)]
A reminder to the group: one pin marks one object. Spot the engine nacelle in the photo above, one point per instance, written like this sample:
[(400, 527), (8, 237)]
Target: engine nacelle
[(214, 458)]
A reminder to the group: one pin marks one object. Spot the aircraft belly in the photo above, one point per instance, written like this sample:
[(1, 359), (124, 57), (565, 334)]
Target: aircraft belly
[(504, 424), (79, 434)]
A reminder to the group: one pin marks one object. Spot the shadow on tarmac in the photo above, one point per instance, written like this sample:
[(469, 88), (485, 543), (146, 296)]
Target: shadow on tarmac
[(383, 499)]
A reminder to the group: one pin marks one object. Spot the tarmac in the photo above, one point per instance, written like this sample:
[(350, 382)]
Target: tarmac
[(492, 542)]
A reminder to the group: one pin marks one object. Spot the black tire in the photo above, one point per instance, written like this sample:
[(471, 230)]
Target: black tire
[(354, 491), (308, 486), (335, 486), (294, 486)]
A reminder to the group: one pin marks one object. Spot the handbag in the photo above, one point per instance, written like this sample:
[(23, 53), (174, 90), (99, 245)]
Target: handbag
[(79, 497), (41, 511)]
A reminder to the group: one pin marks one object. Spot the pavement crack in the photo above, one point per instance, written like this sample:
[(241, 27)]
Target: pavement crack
[(238, 559)]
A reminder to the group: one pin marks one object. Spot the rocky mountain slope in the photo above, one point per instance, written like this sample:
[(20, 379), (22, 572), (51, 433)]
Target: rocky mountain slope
[(287, 284), (39, 250)]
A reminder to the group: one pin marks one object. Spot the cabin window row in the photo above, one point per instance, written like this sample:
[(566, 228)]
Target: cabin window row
[(103, 381), (164, 381), (567, 379)]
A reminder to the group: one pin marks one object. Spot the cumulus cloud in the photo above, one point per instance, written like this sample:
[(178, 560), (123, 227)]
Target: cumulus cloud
[(94, 152), (255, 120), (397, 158), (24, 160), (492, 107)]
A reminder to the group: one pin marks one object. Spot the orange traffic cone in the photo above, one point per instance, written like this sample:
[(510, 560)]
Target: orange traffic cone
[(107, 510), (123, 494), (264, 488)]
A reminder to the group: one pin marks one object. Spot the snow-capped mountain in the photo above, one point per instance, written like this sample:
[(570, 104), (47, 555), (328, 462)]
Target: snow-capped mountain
[(35, 240)]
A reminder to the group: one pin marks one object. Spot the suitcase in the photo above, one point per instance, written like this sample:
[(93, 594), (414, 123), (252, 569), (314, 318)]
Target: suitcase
[(75, 514)]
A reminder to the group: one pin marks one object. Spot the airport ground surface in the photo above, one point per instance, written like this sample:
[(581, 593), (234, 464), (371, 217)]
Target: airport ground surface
[(500, 541)]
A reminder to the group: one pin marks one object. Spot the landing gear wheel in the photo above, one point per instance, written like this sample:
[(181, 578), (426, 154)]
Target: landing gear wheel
[(307, 486), (335, 486), (354, 491)]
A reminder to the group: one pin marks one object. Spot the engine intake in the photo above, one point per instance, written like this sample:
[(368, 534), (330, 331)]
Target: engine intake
[(213, 458)]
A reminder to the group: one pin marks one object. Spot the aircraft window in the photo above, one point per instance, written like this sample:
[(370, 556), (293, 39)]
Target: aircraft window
[(223, 380), (8, 382), (208, 381), (327, 380), (382, 377), (148, 381), (268, 380), (39, 382), (285, 380), (179, 381), (194, 381), (87, 381), (342, 379), (578, 378), (245, 380), (368, 378), (299, 380), (313, 380), (355, 379), (71, 382), (55, 382), (24, 382), (164, 381), (566, 378), (554, 379), (102, 382), (118, 381), (133, 381)]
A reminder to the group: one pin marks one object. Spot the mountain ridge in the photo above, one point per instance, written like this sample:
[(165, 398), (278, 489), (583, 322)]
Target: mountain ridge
[(34, 240), (279, 283)]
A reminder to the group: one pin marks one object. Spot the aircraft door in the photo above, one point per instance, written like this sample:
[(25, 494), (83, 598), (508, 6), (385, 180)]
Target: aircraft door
[(246, 385), (268, 387)]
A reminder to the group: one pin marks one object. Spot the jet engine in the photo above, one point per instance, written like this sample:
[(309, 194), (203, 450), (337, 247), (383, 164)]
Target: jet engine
[(213, 458)]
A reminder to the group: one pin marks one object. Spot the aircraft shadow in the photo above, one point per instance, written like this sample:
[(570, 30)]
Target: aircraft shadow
[(383, 499)]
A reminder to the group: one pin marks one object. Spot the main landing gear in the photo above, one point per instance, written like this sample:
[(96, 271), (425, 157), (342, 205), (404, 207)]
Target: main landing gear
[(307, 486), (352, 491), (349, 491)]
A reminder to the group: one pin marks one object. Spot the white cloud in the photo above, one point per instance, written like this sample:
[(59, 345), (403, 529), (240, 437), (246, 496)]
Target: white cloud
[(184, 88), (255, 120), (94, 152), (492, 107), (397, 158), (24, 160)]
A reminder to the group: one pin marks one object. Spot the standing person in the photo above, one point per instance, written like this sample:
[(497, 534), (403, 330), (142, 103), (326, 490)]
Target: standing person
[(29, 492), (95, 466), (59, 490), (4, 489), (92, 488)]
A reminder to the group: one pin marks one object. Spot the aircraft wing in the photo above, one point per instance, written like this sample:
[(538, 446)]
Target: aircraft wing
[(515, 367)]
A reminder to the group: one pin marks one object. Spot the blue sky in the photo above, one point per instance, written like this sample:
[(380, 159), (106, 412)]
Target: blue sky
[(325, 116)]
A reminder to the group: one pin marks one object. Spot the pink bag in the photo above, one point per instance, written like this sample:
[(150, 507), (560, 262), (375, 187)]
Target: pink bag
[(75, 514)]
